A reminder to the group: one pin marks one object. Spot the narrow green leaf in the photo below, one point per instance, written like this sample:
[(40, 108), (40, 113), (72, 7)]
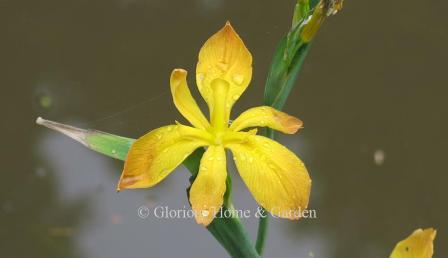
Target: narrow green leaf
[(108, 144)]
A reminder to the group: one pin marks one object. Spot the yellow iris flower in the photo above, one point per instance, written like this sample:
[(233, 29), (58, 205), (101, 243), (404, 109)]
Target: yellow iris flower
[(276, 177), (418, 245)]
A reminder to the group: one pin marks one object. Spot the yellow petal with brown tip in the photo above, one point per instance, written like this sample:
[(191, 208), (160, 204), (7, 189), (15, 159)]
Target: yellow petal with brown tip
[(269, 117), (155, 155)]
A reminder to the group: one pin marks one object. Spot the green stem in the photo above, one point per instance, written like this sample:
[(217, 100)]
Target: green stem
[(262, 232), (263, 221)]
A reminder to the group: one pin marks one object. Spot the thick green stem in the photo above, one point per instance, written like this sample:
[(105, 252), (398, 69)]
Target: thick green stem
[(262, 232)]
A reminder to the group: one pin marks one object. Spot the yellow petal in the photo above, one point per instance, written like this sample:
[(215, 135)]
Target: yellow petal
[(267, 116), (275, 176), (207, 191), (418, 245), (224, 56), (156, 154), (183, 100)]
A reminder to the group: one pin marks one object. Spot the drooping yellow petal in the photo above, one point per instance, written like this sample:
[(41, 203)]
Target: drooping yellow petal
[(267, 116), (418, 245), (224, 56), (207, 191), (275, 176), (156, 154), (183, 100)]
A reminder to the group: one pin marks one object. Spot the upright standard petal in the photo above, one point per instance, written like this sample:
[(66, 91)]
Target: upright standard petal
[(267, 116), (275, 176), (207, 191), (418, 245), (183, 100), (156, 154), (224, 56)]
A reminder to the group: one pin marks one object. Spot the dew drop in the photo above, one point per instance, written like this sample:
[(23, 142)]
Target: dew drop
[(211, 158), (114, 151), (238, 78), (159, 136), (251, 159), (201, 77), (222, 66), (235, 97)]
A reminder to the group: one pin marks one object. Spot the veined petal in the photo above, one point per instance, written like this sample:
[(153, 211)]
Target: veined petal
[(156, 154), (224, 56), (275, 176), (207, 191), (267, 116), (183, 100), (418, 245)]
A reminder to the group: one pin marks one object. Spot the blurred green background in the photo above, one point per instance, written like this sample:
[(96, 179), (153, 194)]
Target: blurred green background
[(372, 95)]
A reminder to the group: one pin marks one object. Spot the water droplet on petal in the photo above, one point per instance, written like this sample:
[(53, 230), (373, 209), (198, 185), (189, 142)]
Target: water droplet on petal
[(211, 158), (159, 136), (222, 66), (251, 159), (235, 97), (238, 78), (201, 77)]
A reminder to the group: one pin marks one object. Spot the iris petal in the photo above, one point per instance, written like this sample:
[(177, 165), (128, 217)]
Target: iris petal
[(224, 56), (156, 154), (275, 176), (267, 116), (183, 100), (418, 244), (207, 191)]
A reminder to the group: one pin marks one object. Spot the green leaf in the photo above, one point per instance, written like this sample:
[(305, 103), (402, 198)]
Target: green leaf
[(282, 75), (108, 144)]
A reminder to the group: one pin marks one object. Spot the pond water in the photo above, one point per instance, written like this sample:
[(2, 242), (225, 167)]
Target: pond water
[(372, 95)]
